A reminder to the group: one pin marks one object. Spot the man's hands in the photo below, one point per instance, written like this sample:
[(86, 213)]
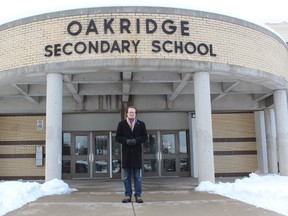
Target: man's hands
[(131, 142)]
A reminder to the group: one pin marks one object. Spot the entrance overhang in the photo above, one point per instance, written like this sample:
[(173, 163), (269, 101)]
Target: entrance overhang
[(168, 79)]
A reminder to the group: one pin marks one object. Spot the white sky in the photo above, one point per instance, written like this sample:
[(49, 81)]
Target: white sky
[(268, 192), (259, 11)]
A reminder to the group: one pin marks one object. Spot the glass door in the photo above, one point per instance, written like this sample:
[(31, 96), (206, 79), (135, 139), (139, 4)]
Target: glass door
[(66, 155), (75, 160), (116, 157), (175, 153), (169, 156), (90, 155), (166, 153), (106, 156), (75, 155), (100, 155), (184, 161), (151, 156), (82, 147)]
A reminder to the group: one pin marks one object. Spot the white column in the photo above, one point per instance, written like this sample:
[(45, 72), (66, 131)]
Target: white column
[(204, 135), (261, 142), (270, 127), (281, 113), (53, 127)]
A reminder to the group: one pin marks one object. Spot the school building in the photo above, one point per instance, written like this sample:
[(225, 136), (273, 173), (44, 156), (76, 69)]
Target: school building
[(212, 90)]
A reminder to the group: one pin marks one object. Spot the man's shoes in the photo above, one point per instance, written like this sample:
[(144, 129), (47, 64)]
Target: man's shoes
[(138, 199), (127, 199)]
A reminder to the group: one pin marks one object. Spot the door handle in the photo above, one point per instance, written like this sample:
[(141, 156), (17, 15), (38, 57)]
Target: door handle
[(159, 156), (91, 157)]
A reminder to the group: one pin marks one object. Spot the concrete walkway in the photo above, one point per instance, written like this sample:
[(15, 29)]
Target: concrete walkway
[(162, 197)]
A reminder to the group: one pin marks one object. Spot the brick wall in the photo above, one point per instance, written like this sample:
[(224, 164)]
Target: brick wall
[(234, 144), (235, 42), (19, 137)]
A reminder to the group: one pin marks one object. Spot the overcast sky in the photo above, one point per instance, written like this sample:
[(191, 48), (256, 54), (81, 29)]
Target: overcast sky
[(259, 11)]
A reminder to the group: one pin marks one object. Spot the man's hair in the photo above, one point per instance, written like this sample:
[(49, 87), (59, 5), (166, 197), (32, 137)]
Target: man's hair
[(133, 107)]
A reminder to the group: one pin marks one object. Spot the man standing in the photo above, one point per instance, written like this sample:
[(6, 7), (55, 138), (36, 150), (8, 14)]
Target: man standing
[(131, 133)]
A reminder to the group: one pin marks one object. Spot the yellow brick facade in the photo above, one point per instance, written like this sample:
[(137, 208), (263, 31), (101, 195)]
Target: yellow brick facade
[(21, 128), (235, 130), (234, 44), (233, 125), (19, 137)]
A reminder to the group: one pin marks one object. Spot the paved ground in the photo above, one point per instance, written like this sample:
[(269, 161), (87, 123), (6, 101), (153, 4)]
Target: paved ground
[(162, 197)]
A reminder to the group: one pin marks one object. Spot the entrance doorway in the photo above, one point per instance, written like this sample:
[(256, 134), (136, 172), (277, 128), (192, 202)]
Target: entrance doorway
[(166, 153), (98, 155), (90, 155)]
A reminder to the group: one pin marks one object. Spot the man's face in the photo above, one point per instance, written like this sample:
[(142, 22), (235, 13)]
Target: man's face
[(131, 114)]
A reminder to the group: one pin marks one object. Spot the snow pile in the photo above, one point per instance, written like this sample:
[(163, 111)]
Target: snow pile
[(15, 194), (268, 192)]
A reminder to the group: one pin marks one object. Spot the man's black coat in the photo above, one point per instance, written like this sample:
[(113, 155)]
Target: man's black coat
[(131, 155)]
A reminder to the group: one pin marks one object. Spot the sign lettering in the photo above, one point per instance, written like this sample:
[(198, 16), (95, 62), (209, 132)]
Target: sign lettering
[(124, 26)]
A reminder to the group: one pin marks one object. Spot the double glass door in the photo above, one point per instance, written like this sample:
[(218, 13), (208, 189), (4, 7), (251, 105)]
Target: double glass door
[(166, 153), (90, 155), (97, 155)]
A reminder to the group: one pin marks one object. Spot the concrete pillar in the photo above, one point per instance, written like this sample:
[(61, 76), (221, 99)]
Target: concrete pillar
[(270, 127), (204, 135), (193, 145), (53, 167), (261, 142), (281, 113)]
